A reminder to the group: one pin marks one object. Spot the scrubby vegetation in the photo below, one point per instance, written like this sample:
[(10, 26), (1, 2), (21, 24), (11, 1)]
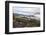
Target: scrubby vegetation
[(20, 22)]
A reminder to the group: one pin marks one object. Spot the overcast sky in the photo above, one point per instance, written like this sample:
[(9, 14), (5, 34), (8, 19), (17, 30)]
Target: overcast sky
[(26, 10)]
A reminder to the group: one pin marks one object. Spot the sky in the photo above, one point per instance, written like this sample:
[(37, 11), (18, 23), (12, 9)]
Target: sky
[(26, 10)]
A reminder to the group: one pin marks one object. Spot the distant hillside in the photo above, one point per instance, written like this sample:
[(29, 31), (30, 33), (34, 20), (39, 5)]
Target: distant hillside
[(23, 15), (27, 16), (18, 14)]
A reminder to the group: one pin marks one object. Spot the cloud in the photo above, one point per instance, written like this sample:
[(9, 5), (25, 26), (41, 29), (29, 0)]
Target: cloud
[(26, 11)]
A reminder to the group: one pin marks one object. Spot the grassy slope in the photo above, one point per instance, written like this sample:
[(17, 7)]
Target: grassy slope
[(19, 22)]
